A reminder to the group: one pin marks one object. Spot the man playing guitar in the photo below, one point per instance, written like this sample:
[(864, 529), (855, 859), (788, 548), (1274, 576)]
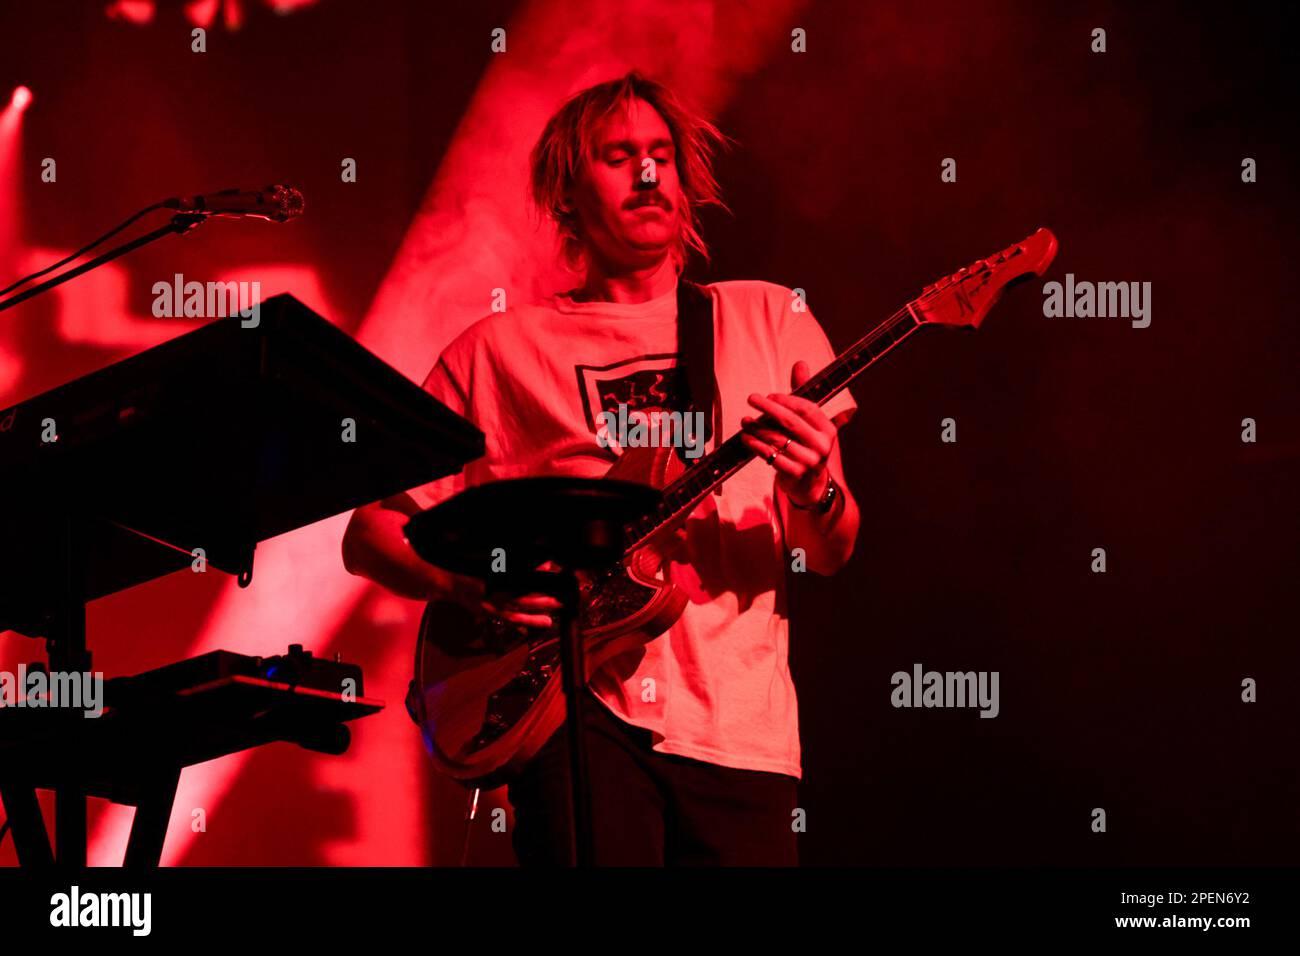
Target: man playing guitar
[(694, 748)]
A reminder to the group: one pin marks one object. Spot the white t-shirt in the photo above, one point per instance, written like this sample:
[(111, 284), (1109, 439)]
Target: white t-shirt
[(535, 378)]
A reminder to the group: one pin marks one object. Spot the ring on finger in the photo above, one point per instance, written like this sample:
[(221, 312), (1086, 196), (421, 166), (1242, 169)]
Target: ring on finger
[(777, 451)]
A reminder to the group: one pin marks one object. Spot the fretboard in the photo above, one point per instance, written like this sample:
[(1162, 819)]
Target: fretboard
[(681, 497)]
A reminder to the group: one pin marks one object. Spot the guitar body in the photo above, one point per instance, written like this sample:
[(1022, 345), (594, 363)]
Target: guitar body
[(487, 693)]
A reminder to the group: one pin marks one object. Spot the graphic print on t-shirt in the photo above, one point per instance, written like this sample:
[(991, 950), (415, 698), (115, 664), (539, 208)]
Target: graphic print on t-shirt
[(644, 384)]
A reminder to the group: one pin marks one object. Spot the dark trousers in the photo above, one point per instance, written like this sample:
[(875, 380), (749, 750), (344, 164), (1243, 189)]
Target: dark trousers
[(652, 809)]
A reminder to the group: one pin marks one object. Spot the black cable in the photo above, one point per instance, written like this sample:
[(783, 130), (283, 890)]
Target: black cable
[(81, 252), (3, 830)]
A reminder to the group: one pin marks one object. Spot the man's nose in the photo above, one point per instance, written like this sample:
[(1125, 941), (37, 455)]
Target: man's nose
[(639, 180)]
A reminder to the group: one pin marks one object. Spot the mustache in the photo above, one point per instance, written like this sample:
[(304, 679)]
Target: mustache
[(648, 199)]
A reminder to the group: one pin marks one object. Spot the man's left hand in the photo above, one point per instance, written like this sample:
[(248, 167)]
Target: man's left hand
[(800, 435)]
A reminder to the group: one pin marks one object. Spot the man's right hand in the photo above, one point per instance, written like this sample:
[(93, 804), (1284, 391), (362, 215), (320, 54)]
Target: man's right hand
[(531, 610), (375, 547)]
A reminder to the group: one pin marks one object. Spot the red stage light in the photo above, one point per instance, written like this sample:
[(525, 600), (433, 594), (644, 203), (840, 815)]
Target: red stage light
[(21, 98), (133, 11)]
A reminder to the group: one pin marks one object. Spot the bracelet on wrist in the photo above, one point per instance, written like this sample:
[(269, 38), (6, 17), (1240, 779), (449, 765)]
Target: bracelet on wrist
[(825, 503)]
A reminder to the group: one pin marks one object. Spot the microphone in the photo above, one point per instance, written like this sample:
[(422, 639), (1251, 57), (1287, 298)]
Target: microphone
[(277, 203)]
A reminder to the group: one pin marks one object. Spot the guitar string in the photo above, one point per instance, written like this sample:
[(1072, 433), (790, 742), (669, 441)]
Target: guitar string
[(713, 476), (846, 358), (732, 445)]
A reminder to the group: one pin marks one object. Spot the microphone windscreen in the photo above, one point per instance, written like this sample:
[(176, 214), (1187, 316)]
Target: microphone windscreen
[(288, 202)]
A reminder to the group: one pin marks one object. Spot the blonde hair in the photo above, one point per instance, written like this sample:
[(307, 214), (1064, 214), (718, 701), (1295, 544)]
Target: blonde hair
[(569, 141)]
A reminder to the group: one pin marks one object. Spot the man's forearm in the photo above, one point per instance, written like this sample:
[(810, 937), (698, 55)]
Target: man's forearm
[(374, 547), (827, 540)]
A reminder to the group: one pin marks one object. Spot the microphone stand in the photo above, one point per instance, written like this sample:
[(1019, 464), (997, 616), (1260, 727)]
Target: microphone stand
[(180, 223)]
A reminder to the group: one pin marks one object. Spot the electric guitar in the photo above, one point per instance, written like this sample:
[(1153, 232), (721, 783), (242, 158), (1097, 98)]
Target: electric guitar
[(486, 692)]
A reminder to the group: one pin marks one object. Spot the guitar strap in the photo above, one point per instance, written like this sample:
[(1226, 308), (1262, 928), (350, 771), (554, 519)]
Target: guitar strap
[(695, 352)]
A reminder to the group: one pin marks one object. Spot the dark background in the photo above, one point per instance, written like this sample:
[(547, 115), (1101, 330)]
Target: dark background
[(1118, 690)]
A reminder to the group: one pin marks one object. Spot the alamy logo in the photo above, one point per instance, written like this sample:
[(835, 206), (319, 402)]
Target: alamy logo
[(1102, 300), (76, 690), (923, 688), (655, 429), (75, 908), (636, 403), (208, 300)]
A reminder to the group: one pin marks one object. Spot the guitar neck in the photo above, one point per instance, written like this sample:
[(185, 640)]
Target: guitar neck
[(681, 497)]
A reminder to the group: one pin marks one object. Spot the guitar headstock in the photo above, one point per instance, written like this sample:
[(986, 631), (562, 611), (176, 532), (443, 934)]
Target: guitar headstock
[(966, 296)]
